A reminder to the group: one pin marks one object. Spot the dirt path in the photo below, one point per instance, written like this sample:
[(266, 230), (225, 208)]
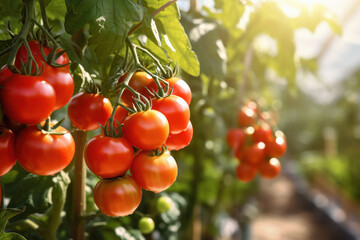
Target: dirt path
[(284, 215)]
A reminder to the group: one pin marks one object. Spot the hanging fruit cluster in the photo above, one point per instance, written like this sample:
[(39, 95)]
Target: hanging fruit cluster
[(137, 138), (40, 84), (256, 145)]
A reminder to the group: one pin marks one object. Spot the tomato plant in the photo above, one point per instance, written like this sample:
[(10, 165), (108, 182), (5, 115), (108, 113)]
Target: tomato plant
[(108, 157), (146, 225), (154, 173), (87, 110), (44, 153), (117, 197), (180, 140), (164, 204)]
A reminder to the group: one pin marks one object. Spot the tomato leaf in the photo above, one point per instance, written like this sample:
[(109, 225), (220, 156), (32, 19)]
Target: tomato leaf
[(150, 29), (5, 215), (11, 236), (110, 21)]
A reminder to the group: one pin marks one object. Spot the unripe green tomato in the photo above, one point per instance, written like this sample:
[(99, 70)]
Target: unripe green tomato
[(164, 204), (146, 225)]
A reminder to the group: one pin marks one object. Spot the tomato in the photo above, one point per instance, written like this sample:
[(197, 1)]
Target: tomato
[(87, 110), (246, 172), (146, 130), (175, 110), (246, 117), (262, 133), (235, 137), (117, 197), (146, 225), (164, 204), (180, 140), (154, 173), (121, 114), (7, 150), (27, 99), (277, 147), (251, 105), (179, 86), (15, 127), (5, 72), (270, 169), (108, 157), (139, 81), (44, 154), (62, 82), (22, 55), (254, 154)]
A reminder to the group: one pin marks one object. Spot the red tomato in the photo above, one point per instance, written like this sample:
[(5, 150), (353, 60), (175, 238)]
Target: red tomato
[(121, 114), (108, 157), (246, 117), (254, 154), (44, 154), (22, 55), (117, 197), (262, 133), (175, 110), (139, 81), (154, 173), (15, 127), (5, 73), (179, 86), (277, 147), (180, 140), (252, 105), (62, 82), (87, 110), (270, 169), (246, 172), (146, 130), (235, 137), (27, 99), (7, 151)]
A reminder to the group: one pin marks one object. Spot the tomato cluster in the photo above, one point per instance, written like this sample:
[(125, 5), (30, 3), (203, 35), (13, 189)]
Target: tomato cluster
[(137, 144), (28, 100), (255, 145)]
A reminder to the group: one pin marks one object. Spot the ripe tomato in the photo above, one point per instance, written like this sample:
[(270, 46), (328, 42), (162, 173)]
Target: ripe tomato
[(179, 86), (121, 114), (108, 157), (44, 154), (175, 110), (4, 73), (27, 99), (277, 147), (270, 169), (139, 82), (154, 173), (235, 137), (87, 110), (246, 172), (246, 117), (252, 105), (262, 133), (62, 82), (180, 140), (146, 130), (7, 150), (22, 55), (254, 154), (117, 197)]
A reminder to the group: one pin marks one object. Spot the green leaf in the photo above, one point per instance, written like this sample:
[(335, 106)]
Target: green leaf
[(55, 10), (110, 21), (150, 29), (6, 214), (11, 236)]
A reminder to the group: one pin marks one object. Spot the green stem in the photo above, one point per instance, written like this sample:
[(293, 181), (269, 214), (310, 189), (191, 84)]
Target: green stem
[(79, 183)]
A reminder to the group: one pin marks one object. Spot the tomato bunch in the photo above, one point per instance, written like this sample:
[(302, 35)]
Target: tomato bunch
[(138, 144), (255, 145), (28, 100)]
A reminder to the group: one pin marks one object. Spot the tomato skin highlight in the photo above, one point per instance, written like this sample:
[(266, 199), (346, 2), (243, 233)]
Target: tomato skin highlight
[(254, 154), (117, 197), (180, 140), (108, 157), (154, 173), (62, 82), (7, 151), (270, 169), (175, 110), (44, 154), (276, 148), (146, 130), (246, 117), (246, 172), (87, 110), (27, 99)]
